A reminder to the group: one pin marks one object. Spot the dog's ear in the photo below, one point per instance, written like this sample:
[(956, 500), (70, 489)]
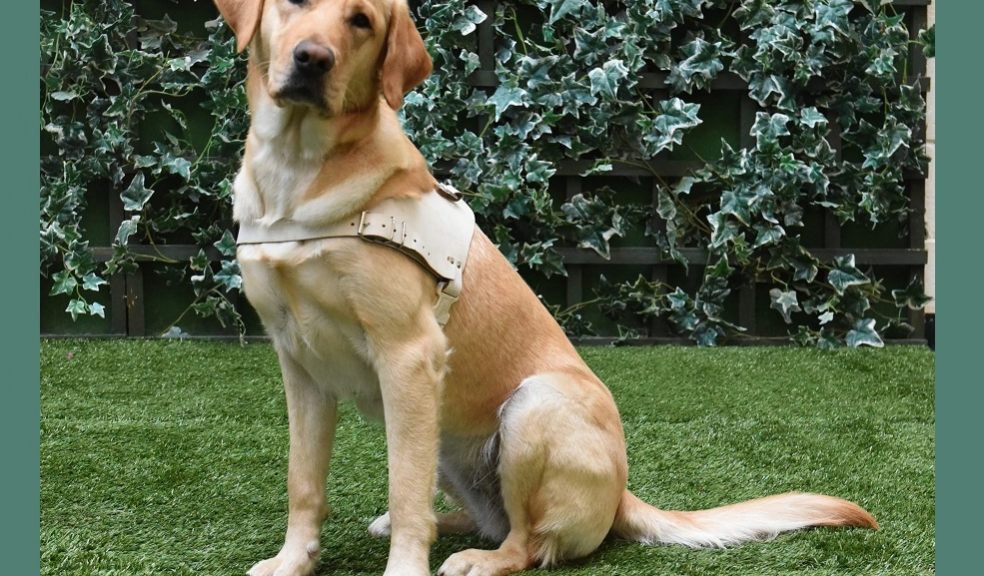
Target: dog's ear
[(243, 16), (407, 62)]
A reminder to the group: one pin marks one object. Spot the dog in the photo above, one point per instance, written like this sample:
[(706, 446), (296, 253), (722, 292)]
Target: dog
[(490, 402)]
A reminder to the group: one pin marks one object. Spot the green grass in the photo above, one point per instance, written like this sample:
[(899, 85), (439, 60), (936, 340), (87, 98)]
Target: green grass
[(170, 458)]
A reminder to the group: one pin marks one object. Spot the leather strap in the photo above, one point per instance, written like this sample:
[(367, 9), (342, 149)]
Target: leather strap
[(434, 229)]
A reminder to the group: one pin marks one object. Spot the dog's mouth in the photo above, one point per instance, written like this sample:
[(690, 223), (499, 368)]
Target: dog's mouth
[(300, 92)]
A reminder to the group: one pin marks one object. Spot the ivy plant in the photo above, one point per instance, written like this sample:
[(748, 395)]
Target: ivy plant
[(125, 100)]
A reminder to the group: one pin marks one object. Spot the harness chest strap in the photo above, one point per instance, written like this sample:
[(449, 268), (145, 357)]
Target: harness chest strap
[(434, 229)]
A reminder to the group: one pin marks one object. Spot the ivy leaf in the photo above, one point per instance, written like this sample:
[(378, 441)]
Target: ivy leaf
[(226, 245), (754, 13), (76, 307), (561, 8), (229, 276), (127, 228), (175, 332), (785, 302), (136, 194), (506, 97), (97, 309), (676, 117), (845, 275), (768, 128), (890, 139), (912, 296), (812, 117), (833, 13), (92, 282), (927, 38), (864, 334), (804, 270), (605, 80), (64, 96), (64, 283), (768, 235), (468, 21), (701, 64)]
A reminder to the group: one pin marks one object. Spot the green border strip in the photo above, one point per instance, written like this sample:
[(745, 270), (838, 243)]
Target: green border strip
[(960, 204), (20, 413)]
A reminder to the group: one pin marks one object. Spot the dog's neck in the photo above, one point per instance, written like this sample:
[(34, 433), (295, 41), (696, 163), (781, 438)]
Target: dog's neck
[(332, 166)]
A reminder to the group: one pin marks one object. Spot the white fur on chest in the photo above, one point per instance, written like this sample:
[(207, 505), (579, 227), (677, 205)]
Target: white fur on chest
[(285, 157), (301, 302)]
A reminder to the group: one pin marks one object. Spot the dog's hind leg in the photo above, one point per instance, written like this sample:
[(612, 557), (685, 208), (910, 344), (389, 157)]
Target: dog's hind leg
[(457, 522), (562, 471)]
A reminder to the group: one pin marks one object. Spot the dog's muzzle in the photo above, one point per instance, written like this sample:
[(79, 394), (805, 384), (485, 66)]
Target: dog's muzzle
[(306, 83)]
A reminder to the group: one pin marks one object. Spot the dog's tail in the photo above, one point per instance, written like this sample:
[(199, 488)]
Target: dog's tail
[(759, 519)]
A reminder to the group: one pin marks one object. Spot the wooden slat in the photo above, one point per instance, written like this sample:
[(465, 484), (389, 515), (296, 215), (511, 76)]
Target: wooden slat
[(917, 241), (575, 284), (642, 255), (651, 255), (486, 36), (146, 253), (726, 81), (135, 304), (632, 168), (917, 60), (117, 283)]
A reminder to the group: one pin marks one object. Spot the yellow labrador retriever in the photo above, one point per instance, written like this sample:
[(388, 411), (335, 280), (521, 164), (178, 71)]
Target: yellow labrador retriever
[(496, 406)]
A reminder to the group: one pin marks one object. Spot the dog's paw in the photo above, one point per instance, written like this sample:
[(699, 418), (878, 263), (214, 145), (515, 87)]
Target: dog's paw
[(480, 563), (292, 561), (466, 563), (380, 527)]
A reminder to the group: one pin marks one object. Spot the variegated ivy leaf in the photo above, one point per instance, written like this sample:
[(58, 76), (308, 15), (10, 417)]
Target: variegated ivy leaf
[(768, 128), (833, 13), (127, 228), (845, 274), (812, 117), (700, 65), (912, 296), (136, 194), (561, 8), (229, 276), (785, 302), (506, 97), (864, 334), (97, 309), (76, 307), (768, 235), (92, 282), (606, 79), (668, 129), (754, 13), (64, 283), (927, 38), (226, 245), (468, 21)]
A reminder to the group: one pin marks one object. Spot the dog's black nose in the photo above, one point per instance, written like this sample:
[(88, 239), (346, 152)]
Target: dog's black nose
[(313, 59)]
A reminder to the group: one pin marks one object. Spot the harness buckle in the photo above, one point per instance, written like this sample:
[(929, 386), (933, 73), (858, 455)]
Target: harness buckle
[(445, 300)]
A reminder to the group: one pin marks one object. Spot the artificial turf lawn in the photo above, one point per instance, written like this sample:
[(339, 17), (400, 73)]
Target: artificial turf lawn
[(165, 457)]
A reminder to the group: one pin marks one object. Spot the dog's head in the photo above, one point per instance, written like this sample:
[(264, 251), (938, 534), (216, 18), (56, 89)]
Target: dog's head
[(336, 56)]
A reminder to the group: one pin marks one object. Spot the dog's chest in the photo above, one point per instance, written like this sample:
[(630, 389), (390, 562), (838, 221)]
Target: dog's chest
[(300, 298)]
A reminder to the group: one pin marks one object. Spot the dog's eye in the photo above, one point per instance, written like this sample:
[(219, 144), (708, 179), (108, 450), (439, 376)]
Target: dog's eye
[(360, 20), (297, 2)]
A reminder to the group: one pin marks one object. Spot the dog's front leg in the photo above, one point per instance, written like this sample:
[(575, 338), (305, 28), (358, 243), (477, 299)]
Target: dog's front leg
[(312, 418), (411, 376)]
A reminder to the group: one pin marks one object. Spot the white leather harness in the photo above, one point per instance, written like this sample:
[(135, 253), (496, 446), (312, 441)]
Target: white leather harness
[(434, 229)]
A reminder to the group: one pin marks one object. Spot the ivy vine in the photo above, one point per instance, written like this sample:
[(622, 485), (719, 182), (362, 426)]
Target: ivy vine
[(140, 107)]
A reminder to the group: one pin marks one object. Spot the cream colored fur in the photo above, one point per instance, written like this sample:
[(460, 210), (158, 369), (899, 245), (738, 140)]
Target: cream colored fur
[(497, 409)]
